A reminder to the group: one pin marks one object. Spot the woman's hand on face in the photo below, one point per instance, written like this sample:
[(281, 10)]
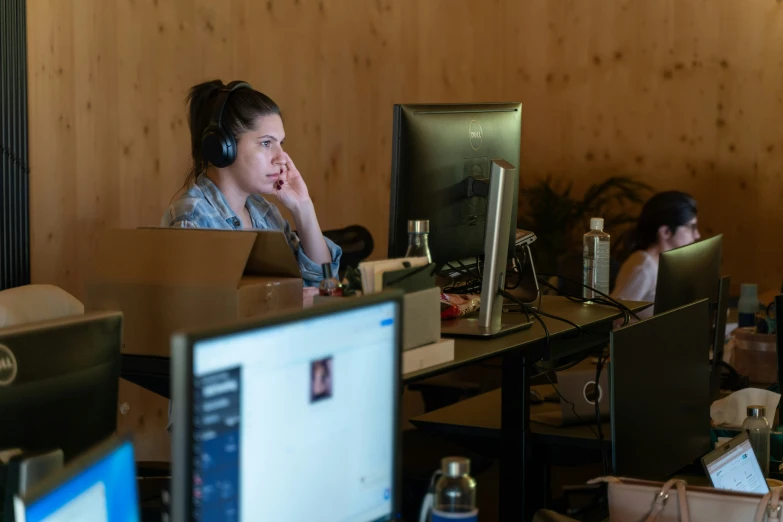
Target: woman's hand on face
[(291, 189)]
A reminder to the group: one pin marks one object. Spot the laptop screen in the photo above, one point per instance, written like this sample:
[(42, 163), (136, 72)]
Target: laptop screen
[(104, 491), (296, 421), (738, 470)]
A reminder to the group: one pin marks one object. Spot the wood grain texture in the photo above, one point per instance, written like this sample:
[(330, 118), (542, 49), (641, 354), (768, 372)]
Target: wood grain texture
[(687, 94)]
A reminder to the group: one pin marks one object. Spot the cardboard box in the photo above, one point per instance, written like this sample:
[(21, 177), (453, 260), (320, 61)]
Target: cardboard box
[(170, 279), (421, 318)]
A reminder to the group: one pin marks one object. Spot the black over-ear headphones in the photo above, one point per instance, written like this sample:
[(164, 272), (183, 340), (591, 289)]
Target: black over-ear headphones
[(218, 146)]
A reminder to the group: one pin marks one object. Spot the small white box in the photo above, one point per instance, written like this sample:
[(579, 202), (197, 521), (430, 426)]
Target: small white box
[(422, 357)]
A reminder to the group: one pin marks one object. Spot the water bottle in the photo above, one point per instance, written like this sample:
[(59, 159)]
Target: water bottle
[(418, 239), (595, 259), (455, 492), (748, 305), (758, 432)]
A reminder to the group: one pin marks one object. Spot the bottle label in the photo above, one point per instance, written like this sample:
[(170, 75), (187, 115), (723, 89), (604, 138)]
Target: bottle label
[(444, 516)]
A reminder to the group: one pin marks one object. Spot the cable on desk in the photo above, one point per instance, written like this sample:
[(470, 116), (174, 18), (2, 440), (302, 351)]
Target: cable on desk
[(605, 299), (475, 275), (599, 435), (622, 308), (473, 285)]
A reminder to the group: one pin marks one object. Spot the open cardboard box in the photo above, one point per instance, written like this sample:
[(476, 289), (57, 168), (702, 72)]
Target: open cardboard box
[(170, 279)]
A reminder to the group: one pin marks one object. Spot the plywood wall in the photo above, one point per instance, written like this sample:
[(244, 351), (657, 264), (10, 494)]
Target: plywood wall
[(685, 93)]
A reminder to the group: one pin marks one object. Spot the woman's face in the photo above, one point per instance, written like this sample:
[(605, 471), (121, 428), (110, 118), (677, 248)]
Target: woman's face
[(319, 386), (260, 157), (684, 235)]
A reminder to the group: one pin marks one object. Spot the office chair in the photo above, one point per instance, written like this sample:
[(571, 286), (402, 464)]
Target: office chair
[(355, 241)]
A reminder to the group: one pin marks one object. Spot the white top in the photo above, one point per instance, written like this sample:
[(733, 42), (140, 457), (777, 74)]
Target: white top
[(637, 280)]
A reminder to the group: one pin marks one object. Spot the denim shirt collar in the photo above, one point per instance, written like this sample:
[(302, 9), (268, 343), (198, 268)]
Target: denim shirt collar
[(257, 206)]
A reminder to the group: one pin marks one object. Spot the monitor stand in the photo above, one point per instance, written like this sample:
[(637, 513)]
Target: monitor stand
[(491, 321)]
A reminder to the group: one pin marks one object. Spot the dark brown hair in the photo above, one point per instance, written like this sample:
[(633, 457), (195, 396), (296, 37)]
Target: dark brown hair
[(672, 209), (239, 115)]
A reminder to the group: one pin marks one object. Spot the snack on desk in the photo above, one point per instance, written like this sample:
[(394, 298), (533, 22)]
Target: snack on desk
[(458, 305)]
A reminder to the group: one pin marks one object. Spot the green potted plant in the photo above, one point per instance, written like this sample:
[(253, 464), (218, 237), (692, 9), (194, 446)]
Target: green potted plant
[(559, 218)]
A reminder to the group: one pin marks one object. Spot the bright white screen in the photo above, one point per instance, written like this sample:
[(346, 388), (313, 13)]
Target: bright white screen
[(89, 506), (316, 416), (738, 470)]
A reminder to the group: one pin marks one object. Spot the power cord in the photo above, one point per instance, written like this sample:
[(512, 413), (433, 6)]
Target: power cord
[(537, 315), (605, 298), (622, 308)]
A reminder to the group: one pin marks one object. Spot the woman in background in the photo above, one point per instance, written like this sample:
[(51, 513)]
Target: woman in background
[(668, 221), (237, 137)]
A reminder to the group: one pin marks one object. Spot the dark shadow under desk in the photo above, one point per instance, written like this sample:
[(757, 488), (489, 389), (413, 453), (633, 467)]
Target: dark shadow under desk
[(479, 418), (476, 423)]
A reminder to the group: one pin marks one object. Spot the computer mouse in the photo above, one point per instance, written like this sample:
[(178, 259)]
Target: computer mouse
[(535, 397)]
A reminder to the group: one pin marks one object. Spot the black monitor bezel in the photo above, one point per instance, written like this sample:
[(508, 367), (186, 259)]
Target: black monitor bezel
[(672, 263)]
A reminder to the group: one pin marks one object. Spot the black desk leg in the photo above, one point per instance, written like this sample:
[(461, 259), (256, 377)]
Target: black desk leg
[(522, 478)]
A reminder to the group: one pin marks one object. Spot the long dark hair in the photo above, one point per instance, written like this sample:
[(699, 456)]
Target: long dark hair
[(239, 115), (672, 209)]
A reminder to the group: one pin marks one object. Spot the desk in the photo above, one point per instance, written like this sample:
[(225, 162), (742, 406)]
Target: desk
[(519, 464), (518, 351)]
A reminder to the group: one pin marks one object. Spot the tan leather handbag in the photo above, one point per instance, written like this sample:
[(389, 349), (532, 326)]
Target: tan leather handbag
[(674, 501)]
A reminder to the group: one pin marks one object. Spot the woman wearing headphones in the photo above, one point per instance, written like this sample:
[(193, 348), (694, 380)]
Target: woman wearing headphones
[(237, 136)]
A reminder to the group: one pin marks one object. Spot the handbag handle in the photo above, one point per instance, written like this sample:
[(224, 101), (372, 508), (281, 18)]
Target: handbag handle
[(769, 503), (663, 495)]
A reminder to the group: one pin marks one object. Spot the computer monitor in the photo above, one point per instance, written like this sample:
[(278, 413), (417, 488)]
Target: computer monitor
[(660, 385), (688, 274), (719, 336), (99, 486), (436, 149), (59, 383), (291, 418)]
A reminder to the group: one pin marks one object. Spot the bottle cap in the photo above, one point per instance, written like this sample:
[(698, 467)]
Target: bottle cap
[(749, 290), (419, 226), (596, 223), (327, 270), (454, 467), (756, 410)]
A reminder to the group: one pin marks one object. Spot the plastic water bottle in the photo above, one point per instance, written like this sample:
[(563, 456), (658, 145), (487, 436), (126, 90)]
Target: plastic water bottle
[(418, 239), (455, 492), (758, 432), (595, 259), (748, 305)]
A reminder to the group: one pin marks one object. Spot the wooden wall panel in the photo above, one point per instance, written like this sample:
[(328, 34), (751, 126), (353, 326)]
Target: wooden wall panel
[(687, 94)]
